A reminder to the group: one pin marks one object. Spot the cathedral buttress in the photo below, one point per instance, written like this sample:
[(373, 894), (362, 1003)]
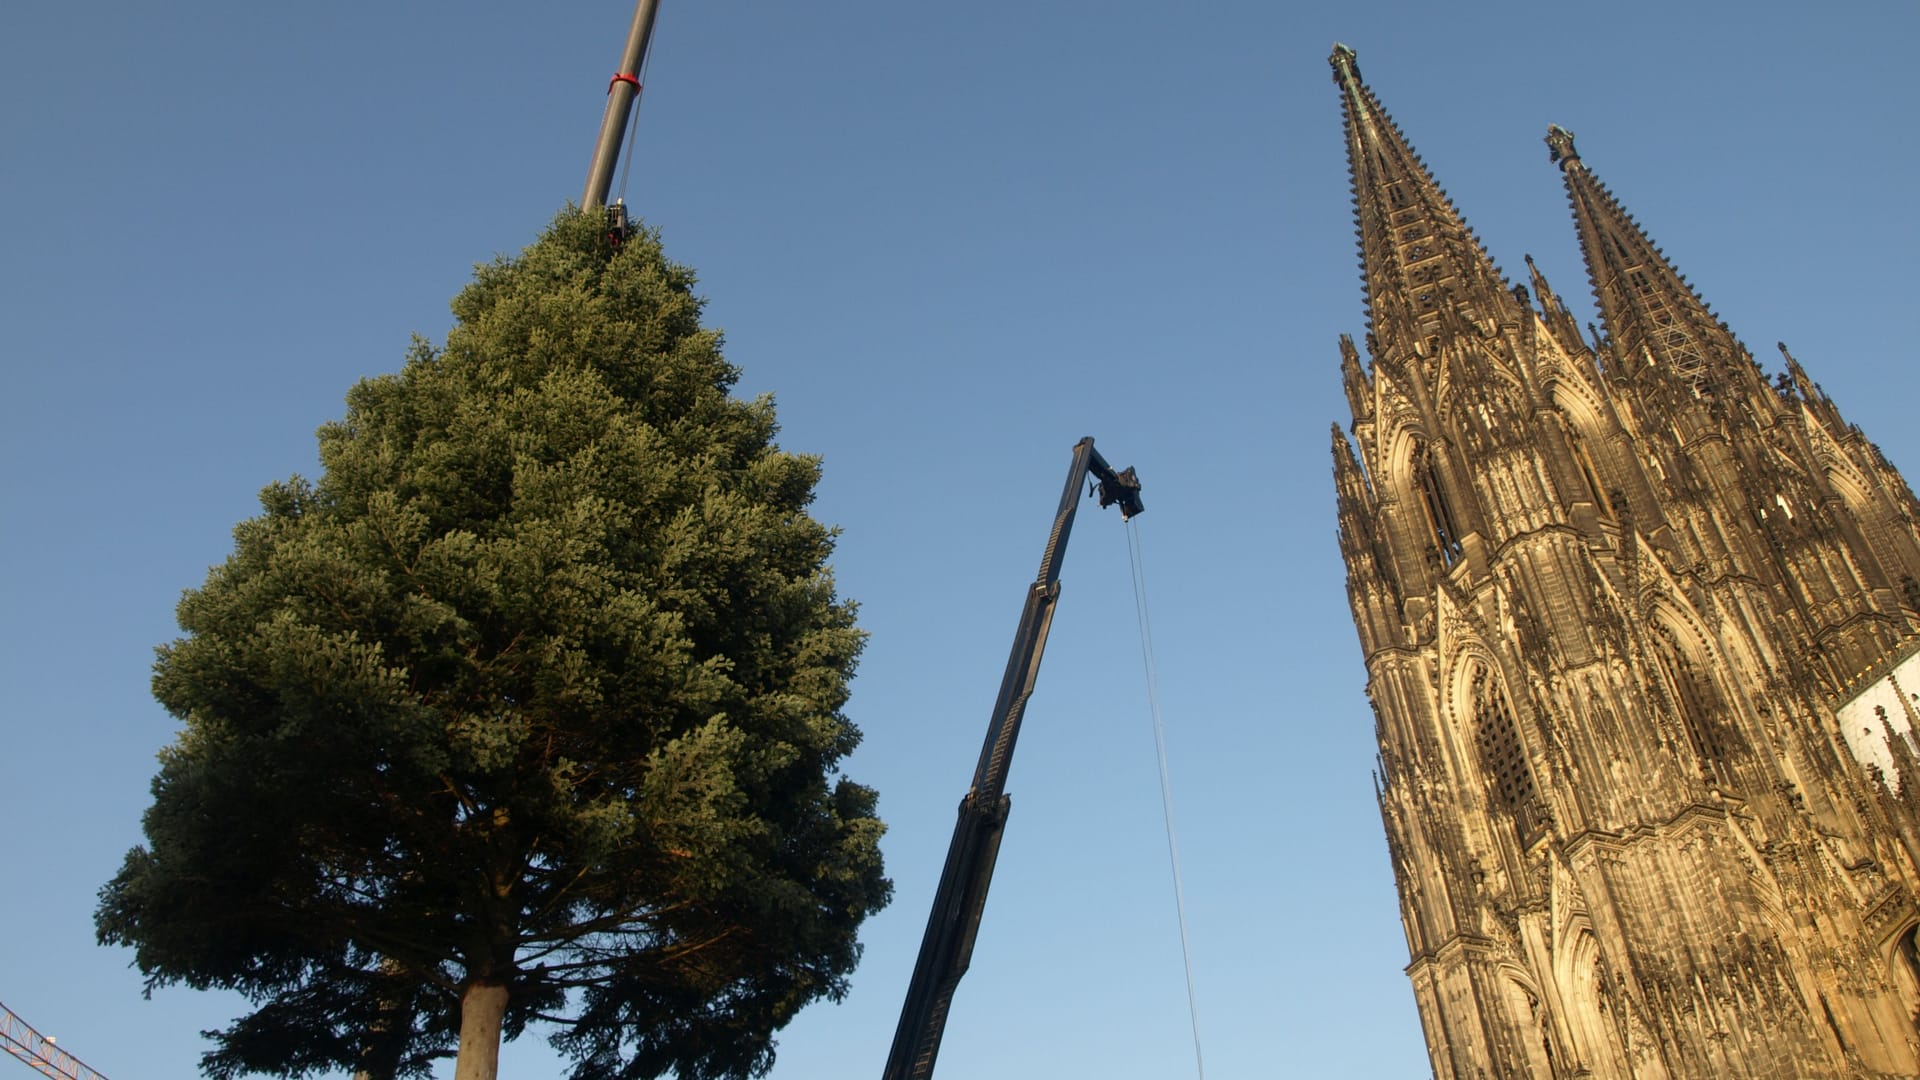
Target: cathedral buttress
[(1371, 589)]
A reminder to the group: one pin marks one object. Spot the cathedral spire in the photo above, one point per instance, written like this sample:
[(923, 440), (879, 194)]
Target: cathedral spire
[(1426, 274), (1653, 317)]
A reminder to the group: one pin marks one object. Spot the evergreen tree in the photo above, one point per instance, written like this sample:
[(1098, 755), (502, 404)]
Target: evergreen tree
[(528, 710)]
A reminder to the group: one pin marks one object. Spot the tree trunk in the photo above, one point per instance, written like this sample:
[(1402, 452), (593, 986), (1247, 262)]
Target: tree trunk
[(481, 1008)]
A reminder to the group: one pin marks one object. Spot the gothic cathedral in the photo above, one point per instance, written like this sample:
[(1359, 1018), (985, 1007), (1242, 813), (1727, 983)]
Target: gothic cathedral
[(1636, 621)]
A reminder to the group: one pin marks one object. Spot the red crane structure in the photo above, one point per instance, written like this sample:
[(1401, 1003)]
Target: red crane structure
[(18, 1038)]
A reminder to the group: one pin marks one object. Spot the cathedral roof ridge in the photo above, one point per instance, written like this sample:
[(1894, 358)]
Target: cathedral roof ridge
[(1874, 672)]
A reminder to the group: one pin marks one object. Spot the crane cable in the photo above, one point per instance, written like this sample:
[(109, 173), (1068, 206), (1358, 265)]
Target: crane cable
[(633, 114), (1166, 783)]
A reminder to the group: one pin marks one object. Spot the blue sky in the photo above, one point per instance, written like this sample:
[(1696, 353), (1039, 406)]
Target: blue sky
[(952, 239)]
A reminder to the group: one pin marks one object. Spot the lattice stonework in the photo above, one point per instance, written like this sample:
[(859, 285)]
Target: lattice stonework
[(1692, 695), (1502, 754), (1442, 530)]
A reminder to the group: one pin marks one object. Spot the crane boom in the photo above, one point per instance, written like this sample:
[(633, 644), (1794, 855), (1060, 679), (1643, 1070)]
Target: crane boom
[(947, 948), (18, 1038), (622, 94)]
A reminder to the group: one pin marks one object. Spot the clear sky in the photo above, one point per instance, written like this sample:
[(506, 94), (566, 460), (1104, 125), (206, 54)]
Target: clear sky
[(952, 239)]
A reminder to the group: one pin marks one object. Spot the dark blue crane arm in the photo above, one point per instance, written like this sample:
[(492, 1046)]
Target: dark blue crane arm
[(947, 948)]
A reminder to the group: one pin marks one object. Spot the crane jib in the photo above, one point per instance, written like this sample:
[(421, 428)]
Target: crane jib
[(947, 947)]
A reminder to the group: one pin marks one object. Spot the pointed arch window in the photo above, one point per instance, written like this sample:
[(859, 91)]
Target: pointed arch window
[(1442, 526), (1503, 756), (1692, 693), (1906, 970), (1597, 1031), (1583, 460), (1528, 1016)]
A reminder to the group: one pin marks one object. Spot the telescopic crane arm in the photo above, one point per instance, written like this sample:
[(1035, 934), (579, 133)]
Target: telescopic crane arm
[(623, 91), (947, 948)]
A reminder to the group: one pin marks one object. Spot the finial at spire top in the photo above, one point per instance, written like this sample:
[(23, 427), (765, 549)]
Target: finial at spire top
[(1345, 64), (1560, 146)]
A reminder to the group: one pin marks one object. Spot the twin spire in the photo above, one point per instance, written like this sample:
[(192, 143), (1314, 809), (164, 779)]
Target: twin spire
[(1426, 274), (1428, 278), (1655, 318)]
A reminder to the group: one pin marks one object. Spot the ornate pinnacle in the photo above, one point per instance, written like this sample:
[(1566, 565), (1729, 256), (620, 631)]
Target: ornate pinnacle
[(1560, 146), (1345, 64)]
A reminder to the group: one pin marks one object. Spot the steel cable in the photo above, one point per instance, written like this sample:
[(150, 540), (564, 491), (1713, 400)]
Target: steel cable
[(633, 116), (1166, 783)]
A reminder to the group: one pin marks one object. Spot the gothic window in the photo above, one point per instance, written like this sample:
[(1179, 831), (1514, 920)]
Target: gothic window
[(1596, 1030), (1529, 1021), (1583, 459), (1443, 531), (1692, 694), (1906, 970), (1502, 755)]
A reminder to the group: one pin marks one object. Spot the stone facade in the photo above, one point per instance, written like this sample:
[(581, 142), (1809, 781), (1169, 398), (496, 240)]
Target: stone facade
[(1614, 595)]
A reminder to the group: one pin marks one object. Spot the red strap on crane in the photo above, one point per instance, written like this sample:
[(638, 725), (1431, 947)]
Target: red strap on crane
[(624, 77)]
